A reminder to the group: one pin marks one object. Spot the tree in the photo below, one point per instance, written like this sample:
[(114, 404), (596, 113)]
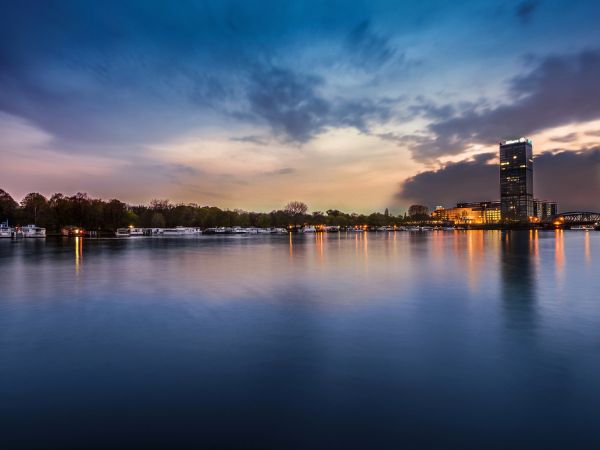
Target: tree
[(8, 207), (114, 214), (158, 220), (295, 210), (418, 210), (33, 206)]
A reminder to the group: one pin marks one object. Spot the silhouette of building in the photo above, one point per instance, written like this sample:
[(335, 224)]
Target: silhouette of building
[(516, 180)]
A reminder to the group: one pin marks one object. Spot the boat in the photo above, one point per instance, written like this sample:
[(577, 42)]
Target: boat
[(32, 231), (122, 232), (6, 231), (71, 230), (181, 231), (279, 230), (309, 229), (332, 228), (582, 228)]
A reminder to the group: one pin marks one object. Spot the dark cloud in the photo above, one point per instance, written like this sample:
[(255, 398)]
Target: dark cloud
[(367, 48), (291, 104), (252, 139), (558, 91), (571, 178), (566, 138), (525, 10), (282, 171), (464, 181)]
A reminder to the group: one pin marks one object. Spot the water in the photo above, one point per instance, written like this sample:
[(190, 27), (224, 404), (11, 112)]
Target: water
[(445, 340)]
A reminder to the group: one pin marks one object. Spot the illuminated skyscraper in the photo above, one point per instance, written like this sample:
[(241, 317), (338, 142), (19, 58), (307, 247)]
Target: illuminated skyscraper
[(516, 179)]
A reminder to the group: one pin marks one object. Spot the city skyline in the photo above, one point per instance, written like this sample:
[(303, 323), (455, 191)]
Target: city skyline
[(352, 106)]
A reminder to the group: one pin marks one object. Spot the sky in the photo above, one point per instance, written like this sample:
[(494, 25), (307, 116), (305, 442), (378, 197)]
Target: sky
[(350, 105)]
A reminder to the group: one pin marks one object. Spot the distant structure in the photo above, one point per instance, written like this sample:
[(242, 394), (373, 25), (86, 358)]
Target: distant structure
[(474, 213), (516, 180), (418, 210), (516, 193), (544, 210)]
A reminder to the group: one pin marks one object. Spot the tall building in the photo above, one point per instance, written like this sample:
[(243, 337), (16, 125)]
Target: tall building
[(516, 179)]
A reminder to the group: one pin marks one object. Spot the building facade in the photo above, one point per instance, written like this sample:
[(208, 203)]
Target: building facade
[(516, 180), (544, 210), (476, 213)]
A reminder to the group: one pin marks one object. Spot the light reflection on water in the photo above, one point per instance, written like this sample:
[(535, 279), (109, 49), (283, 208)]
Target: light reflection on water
[(444, 339)]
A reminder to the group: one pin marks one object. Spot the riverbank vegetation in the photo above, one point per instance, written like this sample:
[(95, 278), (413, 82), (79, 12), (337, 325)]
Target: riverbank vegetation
[(107, 215)]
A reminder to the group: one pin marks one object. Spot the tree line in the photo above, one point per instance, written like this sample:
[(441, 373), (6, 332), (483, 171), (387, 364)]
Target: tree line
[(96, 214)]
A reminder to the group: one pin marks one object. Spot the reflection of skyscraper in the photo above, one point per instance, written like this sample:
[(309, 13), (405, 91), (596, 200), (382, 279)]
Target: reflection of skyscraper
[(518, 280), (516, 179)]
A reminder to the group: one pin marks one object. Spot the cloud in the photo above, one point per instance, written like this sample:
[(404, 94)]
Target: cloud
[(571, 178), (252, 139), (367, 48), (571, 137), (525, 10), (558, 91), (469, 180), (291, 104), (282, 171)]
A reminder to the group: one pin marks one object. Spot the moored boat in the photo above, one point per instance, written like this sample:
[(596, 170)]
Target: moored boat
[(181, 231), (32, 231), (122, 232), (6, 231)]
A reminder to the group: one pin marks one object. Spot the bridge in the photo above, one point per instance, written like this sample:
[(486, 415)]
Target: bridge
[(576, 218)]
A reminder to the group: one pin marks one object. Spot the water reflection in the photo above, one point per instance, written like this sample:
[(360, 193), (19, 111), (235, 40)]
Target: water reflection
[(78, 241), (461, 334), (518, 284), (559, 251), (586, 249)]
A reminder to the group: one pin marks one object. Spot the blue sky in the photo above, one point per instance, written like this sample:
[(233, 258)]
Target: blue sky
[(250, 104)]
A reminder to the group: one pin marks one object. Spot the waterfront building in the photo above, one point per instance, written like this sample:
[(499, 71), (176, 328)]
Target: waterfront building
[(516, 179), (544, 210), (473, 213)]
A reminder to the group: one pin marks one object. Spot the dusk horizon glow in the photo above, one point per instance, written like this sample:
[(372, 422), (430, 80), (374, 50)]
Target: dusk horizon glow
[(356, 106)]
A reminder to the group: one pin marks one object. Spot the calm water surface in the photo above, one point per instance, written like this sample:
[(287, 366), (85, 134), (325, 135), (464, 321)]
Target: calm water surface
[(399, 340)]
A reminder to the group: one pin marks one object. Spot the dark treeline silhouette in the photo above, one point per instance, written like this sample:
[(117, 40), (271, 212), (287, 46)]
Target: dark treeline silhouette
[(95, 214)]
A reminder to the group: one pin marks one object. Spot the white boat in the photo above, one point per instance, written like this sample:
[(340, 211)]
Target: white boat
[(6, 231), (278, 230), (582, 228), (309, 229), (31, 231), (181, 231), (122, 232), (356, 229), (332, 228), (136, 232), (240, 230)]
